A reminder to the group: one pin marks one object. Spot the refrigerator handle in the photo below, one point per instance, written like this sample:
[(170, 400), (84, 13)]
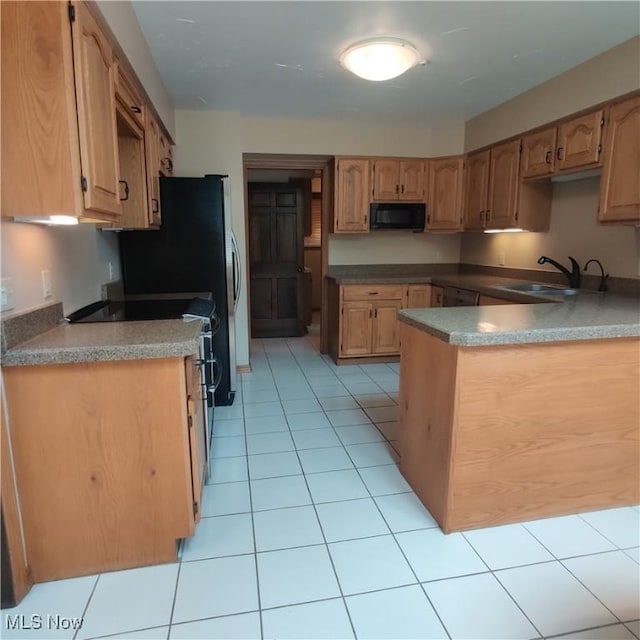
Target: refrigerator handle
[(237, 280)]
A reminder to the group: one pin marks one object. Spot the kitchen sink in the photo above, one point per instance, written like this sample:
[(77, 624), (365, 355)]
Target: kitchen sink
[(542, 289)]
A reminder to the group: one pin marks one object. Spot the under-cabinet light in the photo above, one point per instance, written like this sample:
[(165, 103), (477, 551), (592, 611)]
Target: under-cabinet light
[(504, 230)]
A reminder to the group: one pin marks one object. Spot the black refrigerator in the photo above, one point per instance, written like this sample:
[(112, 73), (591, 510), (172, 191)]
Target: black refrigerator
[(194, 250)]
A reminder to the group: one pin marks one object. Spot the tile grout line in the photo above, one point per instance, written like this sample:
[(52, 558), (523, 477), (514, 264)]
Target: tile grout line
[(175, 593), (86, 606)]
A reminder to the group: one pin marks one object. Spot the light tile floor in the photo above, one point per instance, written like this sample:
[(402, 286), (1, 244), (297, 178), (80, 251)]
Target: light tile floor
[(310, 531)]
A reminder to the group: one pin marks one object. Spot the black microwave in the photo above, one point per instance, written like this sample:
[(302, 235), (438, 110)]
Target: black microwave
[(396, 215)]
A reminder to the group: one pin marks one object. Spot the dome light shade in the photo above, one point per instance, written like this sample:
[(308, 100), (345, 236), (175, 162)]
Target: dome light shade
[(380, 59)]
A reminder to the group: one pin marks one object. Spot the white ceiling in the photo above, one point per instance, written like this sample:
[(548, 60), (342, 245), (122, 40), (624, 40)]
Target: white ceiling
[(281, 58)]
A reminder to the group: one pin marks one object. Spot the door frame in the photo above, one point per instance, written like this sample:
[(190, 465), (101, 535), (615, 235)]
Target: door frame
[(322, 163)]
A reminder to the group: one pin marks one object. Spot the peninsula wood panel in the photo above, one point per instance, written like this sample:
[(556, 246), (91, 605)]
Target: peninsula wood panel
[(426, 405), (101, 453)]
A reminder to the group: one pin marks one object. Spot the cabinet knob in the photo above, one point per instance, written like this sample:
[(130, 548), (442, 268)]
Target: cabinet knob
[(155, 205), (559, 153)]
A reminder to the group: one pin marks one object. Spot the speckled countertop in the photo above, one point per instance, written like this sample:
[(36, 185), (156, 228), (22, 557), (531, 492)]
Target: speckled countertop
[(586, 316), (100, 341)]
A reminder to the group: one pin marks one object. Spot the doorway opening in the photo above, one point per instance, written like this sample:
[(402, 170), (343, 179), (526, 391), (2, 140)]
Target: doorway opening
[(288, 201)]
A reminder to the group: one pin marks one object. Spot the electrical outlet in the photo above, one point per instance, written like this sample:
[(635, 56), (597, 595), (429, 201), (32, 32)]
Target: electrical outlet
[(6, 294), (47, 290), (110, 271), (502, 258)]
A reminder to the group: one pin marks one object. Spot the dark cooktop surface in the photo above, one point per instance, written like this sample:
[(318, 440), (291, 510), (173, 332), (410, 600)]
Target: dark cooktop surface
[(124, 310)]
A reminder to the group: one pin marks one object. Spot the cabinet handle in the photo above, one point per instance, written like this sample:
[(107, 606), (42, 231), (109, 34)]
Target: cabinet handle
[(488, 216), (402, 190), (126, 190), (397, 188), (155, 205), (373, 293), (559, 153), (136, 109), (547, 157), (169, 163), (375, 313)]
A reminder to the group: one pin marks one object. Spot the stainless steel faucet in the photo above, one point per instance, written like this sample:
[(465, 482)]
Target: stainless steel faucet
[(573, 276), (603, 275)]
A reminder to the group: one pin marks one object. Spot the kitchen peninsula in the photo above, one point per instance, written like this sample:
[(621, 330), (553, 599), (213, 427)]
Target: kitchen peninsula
[(515, 412)]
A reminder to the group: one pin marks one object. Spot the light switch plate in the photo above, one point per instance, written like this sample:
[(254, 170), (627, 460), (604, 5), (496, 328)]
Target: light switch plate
[(6, 294), (47, 290)]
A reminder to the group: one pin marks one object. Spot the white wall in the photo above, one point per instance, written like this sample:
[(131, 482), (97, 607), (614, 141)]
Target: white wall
[(612, 73), (213, 142), (574, 230), (77, 258), (123, 21)]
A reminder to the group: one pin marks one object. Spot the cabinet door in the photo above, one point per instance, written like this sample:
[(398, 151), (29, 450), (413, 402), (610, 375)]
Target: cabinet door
[(355, 329), (385, 337), (437, 296), (445, 194), (95, 91), (197, 434), (579, 142), (476, 189), (538, 154), (412, 178), (133, 178), (152, 154), (503, 185), (352, 195), (165, 156), (386, 181), (418, 295), (620, 182)]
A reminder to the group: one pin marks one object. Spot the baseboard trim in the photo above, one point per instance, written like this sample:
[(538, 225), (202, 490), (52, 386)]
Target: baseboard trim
[(243, 368)]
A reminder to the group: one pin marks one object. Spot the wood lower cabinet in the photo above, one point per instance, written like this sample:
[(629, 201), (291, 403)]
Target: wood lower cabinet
[(418, 296), (355, 329), (351, 206), (109, 459), (620, 182), (385, 336), (444, 211), (437, 296)]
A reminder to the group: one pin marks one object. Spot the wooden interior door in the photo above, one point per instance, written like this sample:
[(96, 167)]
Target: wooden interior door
[(276, 259)]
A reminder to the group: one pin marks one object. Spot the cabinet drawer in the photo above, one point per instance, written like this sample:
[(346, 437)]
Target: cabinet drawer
[(372, 292), (128, 96)]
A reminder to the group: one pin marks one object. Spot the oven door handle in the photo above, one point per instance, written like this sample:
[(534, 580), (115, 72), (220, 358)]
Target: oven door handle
[(216, 373)]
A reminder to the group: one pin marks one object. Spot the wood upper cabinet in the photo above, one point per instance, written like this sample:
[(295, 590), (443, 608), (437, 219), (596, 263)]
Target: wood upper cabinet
[(476, 189), (395, 179), (620, 182), (165, 157), (579, 142), (502, 206), (444, 211), (95, 91), (127, 95), (53, 144), (418, 295), (539, 154), (352, 195)]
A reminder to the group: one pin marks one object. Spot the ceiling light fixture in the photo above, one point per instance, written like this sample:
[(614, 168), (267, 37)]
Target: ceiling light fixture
[(380, 59)]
